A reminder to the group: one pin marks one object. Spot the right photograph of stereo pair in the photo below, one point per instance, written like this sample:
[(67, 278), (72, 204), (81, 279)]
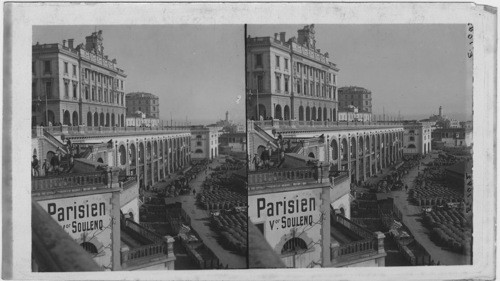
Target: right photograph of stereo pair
[(359, 145)]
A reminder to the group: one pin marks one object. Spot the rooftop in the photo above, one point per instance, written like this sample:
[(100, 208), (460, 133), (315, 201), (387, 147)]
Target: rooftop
[(141, 95)]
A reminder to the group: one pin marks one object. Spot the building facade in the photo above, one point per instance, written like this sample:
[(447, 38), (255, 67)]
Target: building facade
[(290, 79), (452, 137), (142, 122), (77, 85), (204, 142), (233, 142), (359, 97), (146, 103), (417, 138), (352, 114)]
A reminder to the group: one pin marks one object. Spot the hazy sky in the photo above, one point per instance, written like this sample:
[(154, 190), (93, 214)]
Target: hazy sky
[(197, 71), (411, 68)]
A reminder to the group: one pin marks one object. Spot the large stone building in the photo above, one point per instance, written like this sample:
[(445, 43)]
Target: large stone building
[(417, 138), (452, 137), (77, 85), (204, 142), (146, 103), (290, 79), (359, 97), (302, 205)]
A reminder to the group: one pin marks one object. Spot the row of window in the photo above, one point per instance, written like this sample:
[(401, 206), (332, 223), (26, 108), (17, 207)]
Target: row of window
[(142, 101), (345, 96), (315, 89), (106, 80), (140, 108), (346, 103), (106, 97), (314, 72), (47, 69)]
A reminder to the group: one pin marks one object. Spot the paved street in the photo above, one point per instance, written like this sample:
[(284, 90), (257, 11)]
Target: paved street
[(411, 218), (200, 221)]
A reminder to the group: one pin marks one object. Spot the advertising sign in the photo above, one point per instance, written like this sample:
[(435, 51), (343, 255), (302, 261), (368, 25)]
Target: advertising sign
[(287, 215), (87, 219)]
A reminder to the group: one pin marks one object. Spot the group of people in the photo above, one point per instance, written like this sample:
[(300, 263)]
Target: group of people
[(53, 166)]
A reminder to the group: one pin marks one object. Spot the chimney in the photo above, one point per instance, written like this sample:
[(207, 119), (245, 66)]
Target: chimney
[(64, 43), (70, 43), (276, 36), (282, 36)]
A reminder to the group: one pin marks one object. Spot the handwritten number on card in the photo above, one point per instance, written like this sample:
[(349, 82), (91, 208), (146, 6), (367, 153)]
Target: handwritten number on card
[(470, 36)]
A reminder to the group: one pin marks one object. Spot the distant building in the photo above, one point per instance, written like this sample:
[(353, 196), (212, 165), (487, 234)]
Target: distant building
[(452, 137), (417, 138), (139, 120), (204, 142), (233, 142), (352, 114), (442, 121), (359, 97), (77, 85), (146, 103), (290, 79)]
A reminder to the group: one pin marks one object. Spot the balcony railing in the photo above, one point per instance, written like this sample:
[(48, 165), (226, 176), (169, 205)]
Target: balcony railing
[(152, 236), (144, 252), (354, 227), (70, 182), (99, 130), (294, 124), (371, 243), (341, 177), (358, 247), (282, 175), (128, 181)]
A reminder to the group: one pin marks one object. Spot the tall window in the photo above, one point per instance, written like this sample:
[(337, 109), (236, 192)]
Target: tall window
[(74, 90), (86, 93), (286, 84), (298, 87), (66, 90), (46, 67), (122, 84), (286, 64), (65, 68), (305, 69), (98, 77), (33, 67), (74, 70), (312, 88), (93, 93), (258, 60), (48, 89), (278, 82), (278, 61), (305, 87), (86, 74), (260, 83), (93, 76)]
